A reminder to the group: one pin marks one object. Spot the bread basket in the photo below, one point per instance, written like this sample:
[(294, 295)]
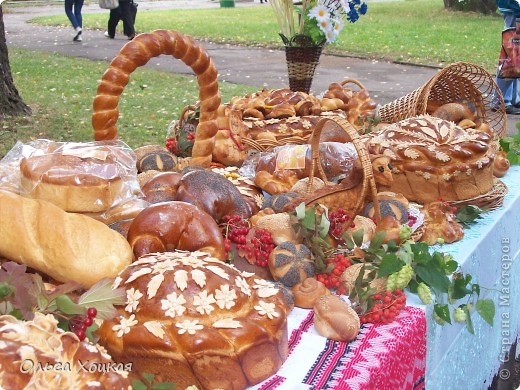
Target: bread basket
[(459, 82), (368, 185)]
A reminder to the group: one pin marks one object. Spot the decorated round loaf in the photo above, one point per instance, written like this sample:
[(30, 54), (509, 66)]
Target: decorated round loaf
[(194, 320), (435, 159), (37, 354)]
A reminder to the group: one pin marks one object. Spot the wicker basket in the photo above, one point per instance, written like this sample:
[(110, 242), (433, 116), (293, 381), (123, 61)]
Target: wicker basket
[(458, 82), (368, 185), (492, 200)]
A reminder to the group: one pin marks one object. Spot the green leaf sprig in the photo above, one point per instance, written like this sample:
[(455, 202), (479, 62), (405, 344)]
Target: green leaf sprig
[(23, 293), (313, 224), (436, 278), (148, 382)]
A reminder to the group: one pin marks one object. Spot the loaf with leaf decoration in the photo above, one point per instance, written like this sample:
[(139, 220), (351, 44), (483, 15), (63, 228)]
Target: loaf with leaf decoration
[(435, 159), (193, 320), (37, 354)]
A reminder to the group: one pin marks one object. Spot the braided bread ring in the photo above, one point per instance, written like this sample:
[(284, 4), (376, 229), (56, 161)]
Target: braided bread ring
[(137, 53)]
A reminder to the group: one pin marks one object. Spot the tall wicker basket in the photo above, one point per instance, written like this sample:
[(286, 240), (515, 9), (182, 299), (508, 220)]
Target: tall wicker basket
[(368, 184), (458, 82)]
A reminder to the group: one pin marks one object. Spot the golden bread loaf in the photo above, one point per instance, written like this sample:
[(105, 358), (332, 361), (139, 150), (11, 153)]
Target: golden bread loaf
[(166, 226), (435, 159), (335, 319), (78, 178), (137, 53), (37, 354), (64, 246), (194, 320)]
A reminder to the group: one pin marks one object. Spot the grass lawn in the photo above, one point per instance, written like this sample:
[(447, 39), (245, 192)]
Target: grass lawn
[(415, 31), (61, 91)]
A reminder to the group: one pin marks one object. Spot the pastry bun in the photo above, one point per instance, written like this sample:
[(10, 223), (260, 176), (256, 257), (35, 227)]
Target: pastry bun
[(308, 292), (166, 226), (335, 319)]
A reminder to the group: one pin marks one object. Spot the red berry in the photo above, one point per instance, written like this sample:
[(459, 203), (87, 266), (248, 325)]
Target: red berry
[(81, 334), (92, 312), (88, 321)]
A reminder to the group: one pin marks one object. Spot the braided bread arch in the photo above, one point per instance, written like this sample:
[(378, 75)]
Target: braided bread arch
[(137, 53)]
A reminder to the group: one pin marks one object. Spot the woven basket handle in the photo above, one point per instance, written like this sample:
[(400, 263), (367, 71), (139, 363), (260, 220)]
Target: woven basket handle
[(364, 158), (137, 53)]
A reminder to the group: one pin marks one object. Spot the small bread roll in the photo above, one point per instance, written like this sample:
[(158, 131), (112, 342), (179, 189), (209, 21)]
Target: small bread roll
[(290, 264), (501, 164), (162, 187), (360, 222), (308, 292), (128, 209), (392, 227), (280, 227), (335, 319), (302, 186)]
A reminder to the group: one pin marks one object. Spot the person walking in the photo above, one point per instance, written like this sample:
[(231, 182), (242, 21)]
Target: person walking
[(510, 10), (73, 12), (126, 13)]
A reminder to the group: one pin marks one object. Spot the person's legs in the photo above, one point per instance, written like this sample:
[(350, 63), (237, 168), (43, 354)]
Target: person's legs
[(509, 87), (113, 20), (78, 5), (126, 17), (68, 11)]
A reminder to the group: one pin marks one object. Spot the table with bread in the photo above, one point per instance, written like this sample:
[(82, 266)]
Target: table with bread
[(261, 260)]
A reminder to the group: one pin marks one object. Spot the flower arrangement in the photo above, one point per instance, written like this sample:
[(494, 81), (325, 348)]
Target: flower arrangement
[(320, 21)]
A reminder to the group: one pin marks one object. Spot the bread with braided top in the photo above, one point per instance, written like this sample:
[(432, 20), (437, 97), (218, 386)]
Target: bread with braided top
[(137, 53)]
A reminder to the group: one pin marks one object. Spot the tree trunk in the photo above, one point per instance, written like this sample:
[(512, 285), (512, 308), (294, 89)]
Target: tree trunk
[(10, 101)]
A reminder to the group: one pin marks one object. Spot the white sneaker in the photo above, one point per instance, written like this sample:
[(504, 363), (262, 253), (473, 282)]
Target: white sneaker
[(77, 37)]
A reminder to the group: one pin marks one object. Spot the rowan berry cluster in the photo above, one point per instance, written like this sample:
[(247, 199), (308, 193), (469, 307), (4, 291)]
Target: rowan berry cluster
[(337, 220), (332, 279), (253, 244), (79, 323), (385, 308)]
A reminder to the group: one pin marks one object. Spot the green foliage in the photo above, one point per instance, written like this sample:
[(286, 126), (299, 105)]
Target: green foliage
[(511, 145), (23, 293), (312, 224), (469, 214), (147, 383), (434, 277)]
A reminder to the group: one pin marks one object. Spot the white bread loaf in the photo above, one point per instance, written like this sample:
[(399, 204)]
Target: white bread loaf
[(65, 246)]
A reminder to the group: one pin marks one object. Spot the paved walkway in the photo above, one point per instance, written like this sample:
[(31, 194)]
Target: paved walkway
[(236, 64)]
